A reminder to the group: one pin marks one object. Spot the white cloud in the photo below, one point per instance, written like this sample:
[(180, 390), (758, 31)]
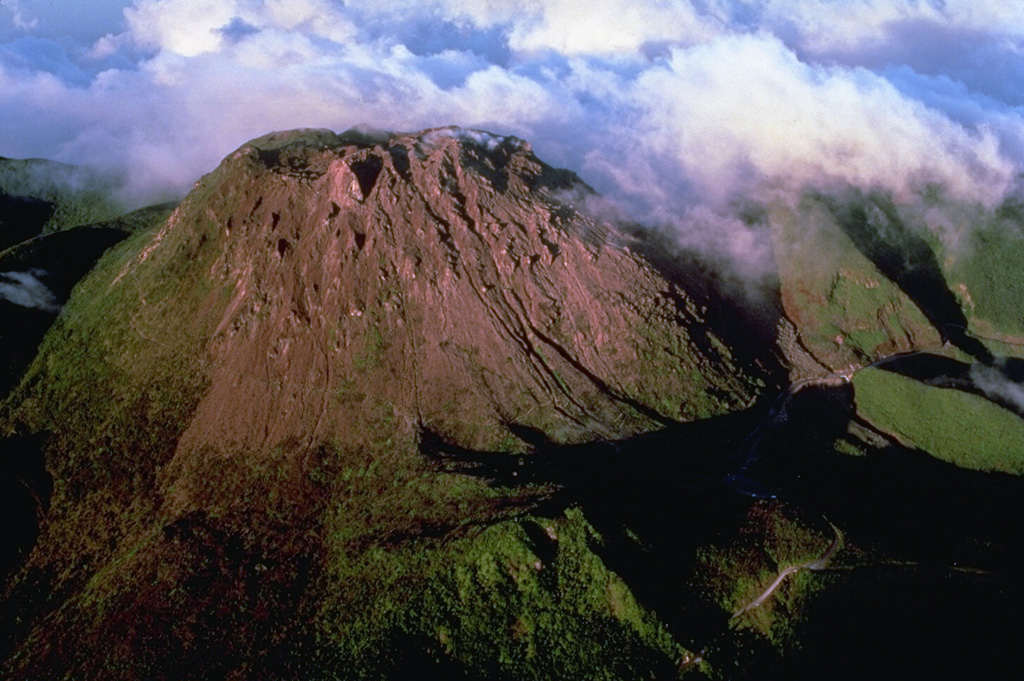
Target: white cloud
[(747, 109), (185, 27), (194, 27), (609, 26), (670, 109), (992, 382), (831, 26), (597, 27), (106, 46), (21, 19), (25, 290), (317, 16)]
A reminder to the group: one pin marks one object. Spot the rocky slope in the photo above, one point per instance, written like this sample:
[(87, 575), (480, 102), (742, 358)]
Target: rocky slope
[(236, 403), (443, 276)]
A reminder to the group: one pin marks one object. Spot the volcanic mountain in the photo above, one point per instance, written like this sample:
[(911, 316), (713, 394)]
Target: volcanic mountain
[(375, 405), (234, 409)]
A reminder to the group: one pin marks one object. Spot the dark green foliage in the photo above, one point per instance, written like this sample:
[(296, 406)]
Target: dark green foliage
[(988, 277), (40, 197), (58, 260)]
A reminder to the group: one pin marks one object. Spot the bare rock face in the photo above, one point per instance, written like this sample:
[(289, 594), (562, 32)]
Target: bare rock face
[(443, 280)]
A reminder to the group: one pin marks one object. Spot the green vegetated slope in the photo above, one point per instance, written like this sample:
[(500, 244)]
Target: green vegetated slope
[(984, 269), (961, 428), (115, 397), (57, 261), (737, 570), (520, 599), (68, 254), (847, 312)]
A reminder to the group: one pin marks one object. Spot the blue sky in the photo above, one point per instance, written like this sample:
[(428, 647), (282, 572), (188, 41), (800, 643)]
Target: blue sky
[(670, 107)]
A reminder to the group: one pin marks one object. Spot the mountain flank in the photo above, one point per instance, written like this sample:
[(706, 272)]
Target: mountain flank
[(247, 387)]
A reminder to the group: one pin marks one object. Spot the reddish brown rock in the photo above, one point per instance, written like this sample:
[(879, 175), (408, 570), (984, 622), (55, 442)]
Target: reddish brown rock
[(442, 280)]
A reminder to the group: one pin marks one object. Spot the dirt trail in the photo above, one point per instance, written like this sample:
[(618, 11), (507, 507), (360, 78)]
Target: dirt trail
[(818, 563)]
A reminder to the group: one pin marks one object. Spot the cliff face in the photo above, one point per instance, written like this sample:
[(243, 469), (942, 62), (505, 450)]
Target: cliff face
[(248, 385)]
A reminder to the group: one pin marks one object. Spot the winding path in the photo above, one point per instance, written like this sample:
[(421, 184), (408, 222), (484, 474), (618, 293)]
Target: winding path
[(819, 563)]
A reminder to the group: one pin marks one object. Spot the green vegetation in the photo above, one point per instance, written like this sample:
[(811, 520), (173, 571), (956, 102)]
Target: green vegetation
[(523, 598), (664, 358), (433, 566), (58, 196), (734, 573), (372, 351), (848, 446), (961, 428), (987, 278), (116, 380), (846, 310)]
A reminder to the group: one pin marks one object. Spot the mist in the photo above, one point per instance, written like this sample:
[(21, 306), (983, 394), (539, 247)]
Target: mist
[(26, 290), (994, 383), (674, 110)]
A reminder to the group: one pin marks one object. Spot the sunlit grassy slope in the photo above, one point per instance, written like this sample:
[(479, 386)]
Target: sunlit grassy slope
[(961, 428), (987, 276), (846, 310)]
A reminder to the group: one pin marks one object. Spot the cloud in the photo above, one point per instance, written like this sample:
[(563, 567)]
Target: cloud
[(25, 289), (673, 108), (991, 381), (607, 26), (194, 27), (566, 26), (19, 17), (185, 27), (77, 21), (746, 109), (851, 27)]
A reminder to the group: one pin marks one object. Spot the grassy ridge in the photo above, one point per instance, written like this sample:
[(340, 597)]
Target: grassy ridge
[(987, 279), (847, 311), (954, 426)]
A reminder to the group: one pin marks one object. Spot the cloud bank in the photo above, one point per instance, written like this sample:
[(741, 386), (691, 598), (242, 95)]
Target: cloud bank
[(672, 108)]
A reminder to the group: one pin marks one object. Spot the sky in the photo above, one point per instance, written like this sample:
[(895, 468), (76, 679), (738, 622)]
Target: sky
[(673, 109)]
